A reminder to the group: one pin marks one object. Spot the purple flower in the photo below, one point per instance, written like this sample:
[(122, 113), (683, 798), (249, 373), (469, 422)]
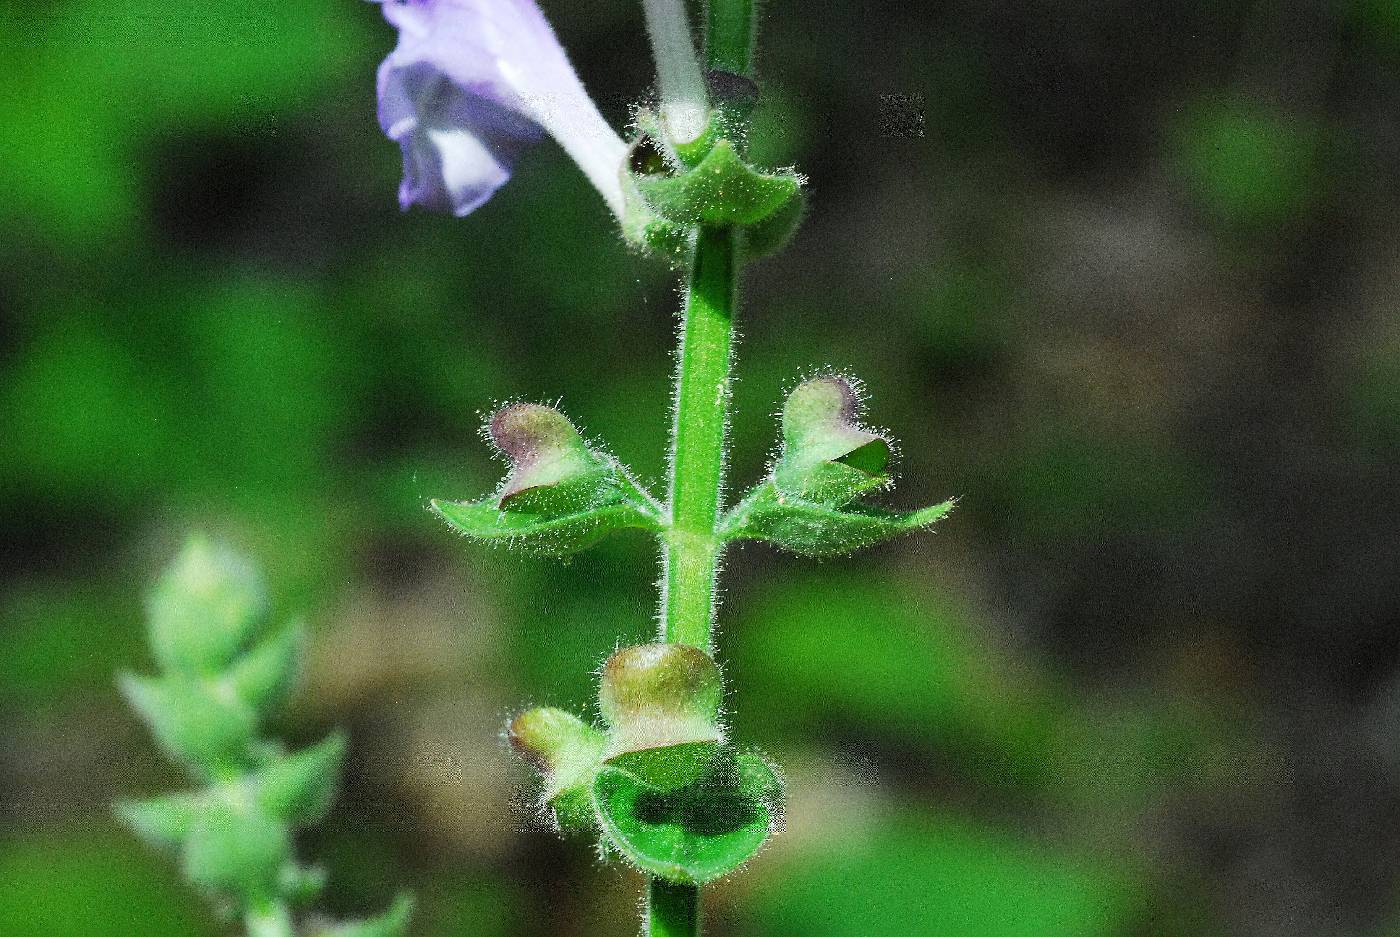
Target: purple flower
[(470, 84)]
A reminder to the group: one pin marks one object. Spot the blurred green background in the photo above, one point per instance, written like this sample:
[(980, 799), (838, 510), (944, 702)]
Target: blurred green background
[(1123, 277)]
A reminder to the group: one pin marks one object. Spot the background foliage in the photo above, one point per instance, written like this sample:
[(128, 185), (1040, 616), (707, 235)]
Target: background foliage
[(1123, 277)]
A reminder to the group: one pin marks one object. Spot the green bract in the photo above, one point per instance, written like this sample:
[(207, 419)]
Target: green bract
[(300, 787), (208, 732), (224, 671), (721, 190), (649, 232), (696, 833), (163, 822), (813, 529), (559, 496), (828, 460), (657, 784), (568, 752), (671, 190), (767, 237), (263, 677), (236, 851), (204, 609)]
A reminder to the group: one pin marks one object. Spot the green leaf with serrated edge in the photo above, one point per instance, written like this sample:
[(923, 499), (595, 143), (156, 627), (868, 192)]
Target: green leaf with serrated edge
[(264, 676), (392, 923), (238, 851), (697, 833), (812, 529), (536, 533), (721, 190), (205, 607), (299, 788), (163, 822), (205, 730)]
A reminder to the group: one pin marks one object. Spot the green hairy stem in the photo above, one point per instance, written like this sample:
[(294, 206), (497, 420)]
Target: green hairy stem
[(730, 33), (698, 448), (672, 910)]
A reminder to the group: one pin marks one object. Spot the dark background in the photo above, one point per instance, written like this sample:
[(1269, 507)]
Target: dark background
[(1122, 276)]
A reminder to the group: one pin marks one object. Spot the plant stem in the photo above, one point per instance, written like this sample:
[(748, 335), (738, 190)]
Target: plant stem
[(672, 910), (729, 36), (698, 445), (698, 440), (270, 920)]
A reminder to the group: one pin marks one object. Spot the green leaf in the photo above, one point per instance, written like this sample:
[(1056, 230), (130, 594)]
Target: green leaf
[(238, 851), (300, 787), (205, 730), (668, 766), (392, 923), (811, 529), (540, 533), (204, 609), (163, 822), (264, 676), (829, 483), (721, 190), (697, 833)]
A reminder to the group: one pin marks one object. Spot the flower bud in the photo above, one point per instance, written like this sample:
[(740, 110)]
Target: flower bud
[(546, 454), (265, 674), (662, 702), (163, 822), (238, 851), (567, 751), (207, 605), (299, 788), (827, 454), (208, 731)]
